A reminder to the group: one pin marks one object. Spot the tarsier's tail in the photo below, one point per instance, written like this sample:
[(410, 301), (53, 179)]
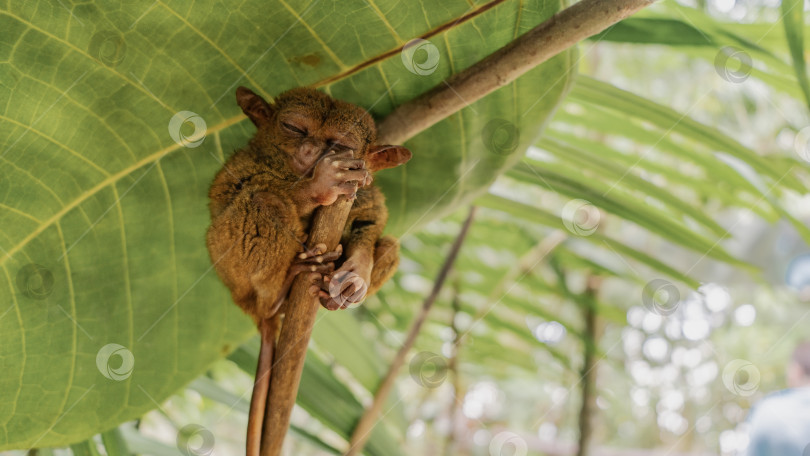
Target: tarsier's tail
[(268, 329)]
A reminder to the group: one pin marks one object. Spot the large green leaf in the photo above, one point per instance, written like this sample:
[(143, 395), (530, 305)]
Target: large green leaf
[(103, 214)]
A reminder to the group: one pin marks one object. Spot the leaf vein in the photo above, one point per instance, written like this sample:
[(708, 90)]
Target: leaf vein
[(110, 180)]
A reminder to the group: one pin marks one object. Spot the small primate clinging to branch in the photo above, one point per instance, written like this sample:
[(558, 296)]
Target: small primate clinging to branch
[(309, 150)]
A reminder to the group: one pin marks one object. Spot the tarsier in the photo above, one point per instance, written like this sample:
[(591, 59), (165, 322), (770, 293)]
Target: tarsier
[(309, 150)]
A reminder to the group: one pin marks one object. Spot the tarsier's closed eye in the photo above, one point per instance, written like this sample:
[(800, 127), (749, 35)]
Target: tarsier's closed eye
[(292, 128)]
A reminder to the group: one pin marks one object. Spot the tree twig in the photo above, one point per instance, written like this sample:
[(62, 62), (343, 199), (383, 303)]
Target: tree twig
[(366, 423), (558, 33), (454, 407), (588, 409), (299, 317)]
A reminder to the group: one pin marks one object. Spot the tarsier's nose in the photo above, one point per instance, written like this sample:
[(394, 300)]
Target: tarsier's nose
[(312, 149)]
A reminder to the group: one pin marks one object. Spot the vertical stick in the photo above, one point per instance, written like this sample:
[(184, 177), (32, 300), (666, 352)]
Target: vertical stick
[(299, 317)]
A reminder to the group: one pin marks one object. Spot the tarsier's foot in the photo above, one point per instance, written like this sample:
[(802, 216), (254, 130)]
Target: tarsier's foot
[(315, 260), (318, 255), (348, 285)]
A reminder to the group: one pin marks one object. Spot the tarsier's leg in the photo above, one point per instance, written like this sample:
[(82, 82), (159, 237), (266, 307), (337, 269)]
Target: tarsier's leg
[(386, 260), (367, 270)]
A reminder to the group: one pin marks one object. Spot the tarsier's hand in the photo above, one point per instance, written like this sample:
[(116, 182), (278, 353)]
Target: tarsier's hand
[(316, 259), (338, 173), (349, 284), (316, 262)]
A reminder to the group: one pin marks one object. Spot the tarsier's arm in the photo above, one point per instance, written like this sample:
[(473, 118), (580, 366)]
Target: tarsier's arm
[(370, 258)]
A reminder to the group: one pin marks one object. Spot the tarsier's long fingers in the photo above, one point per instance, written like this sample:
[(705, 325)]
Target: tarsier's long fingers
[(342, 290), (359, 166), (345, 160), (358, 175), (347, 188), (321, 268), (318, 254), (349, 163)]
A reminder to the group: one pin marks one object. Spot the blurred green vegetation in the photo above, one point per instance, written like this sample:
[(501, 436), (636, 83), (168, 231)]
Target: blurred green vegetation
[(676, 173)]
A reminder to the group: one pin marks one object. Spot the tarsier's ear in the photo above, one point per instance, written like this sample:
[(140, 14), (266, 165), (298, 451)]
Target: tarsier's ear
[(383, 157), (254, 106)]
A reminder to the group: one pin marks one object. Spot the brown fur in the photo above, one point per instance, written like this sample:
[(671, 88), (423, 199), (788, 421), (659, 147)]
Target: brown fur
[(308, 150), (262, 200)]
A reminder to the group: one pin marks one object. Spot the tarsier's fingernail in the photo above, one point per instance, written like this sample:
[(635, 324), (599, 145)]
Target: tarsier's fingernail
[(302, 256), (319, 259)]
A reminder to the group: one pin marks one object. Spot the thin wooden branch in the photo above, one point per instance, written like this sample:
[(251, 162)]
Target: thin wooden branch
[(362, 430), (454, 407), (299, 317), (561, 31), (588, 409)]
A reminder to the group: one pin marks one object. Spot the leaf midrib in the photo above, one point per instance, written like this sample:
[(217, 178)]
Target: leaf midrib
[(106, 182)]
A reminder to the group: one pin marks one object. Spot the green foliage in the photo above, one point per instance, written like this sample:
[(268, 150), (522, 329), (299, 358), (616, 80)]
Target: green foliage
[(104, 244), (103, 213)]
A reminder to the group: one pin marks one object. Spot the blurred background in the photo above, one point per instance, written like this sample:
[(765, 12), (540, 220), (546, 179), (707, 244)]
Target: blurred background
[(631, 287)]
